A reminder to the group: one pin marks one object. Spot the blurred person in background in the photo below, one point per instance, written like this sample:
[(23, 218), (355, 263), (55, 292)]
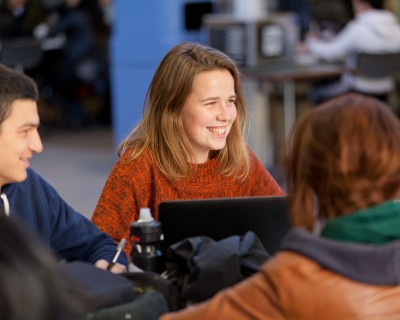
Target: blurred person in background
[(79, 67), (373, 30), (302, 9), (18, 18)]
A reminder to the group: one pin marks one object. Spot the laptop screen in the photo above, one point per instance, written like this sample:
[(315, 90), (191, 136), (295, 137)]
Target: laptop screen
[(219, 218)]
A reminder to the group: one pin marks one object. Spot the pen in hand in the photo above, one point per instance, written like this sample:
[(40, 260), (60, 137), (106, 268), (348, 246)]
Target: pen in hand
[(120, 247)]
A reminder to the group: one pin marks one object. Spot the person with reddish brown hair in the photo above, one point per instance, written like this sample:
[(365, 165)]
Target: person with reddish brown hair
[(341, 259)]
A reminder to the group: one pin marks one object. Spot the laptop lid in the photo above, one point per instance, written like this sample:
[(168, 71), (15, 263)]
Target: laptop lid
[(219, 218)]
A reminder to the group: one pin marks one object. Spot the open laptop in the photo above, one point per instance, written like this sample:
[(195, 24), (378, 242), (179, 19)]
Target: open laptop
[(267, 217)]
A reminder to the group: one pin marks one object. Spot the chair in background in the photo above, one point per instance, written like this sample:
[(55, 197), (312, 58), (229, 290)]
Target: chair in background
[(21, 53), (26, 54), (378, 65)]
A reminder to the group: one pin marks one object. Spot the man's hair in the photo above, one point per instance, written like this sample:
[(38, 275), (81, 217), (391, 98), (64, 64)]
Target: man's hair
[(161, 129), (14, 85), (376, 4), (344, 155)]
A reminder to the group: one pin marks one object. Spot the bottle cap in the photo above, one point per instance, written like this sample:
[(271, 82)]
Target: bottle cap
[(145, 215)]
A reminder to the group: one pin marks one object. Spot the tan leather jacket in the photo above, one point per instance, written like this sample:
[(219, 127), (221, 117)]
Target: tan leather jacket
[(313, 278)]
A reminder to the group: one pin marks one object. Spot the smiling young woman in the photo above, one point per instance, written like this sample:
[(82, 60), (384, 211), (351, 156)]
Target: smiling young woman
[(190, 143)]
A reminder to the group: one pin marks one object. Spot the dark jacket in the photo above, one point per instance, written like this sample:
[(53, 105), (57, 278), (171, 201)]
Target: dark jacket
[(313, 278), (23, 23), (68, 233)]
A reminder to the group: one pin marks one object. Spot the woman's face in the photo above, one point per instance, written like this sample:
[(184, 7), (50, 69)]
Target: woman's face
[(209, 112)]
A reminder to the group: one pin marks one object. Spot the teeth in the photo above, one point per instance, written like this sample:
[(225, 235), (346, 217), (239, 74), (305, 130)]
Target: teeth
[(217, 130)]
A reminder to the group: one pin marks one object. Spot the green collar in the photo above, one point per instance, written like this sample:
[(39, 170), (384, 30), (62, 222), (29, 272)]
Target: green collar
[(375, 225)]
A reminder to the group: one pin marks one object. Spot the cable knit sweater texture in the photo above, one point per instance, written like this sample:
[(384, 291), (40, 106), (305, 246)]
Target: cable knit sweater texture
[(139, 183)]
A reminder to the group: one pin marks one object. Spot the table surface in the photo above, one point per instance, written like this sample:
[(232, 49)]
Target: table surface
[(281, 70), (288, 72)]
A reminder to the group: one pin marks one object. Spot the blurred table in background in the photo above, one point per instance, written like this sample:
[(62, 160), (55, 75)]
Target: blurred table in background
[(285, 72)]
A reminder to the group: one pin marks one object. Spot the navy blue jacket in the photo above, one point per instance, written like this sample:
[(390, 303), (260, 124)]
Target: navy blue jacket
[(68, 233)]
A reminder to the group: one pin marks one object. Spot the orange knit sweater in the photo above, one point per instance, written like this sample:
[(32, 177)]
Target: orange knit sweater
[(139, 183)]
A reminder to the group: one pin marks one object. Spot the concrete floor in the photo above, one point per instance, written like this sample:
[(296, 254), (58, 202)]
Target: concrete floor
[(77, 164)]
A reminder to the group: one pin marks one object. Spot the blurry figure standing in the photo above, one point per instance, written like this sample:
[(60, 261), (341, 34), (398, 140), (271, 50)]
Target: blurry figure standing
[(373, 30), (80, 62), (18, 18)]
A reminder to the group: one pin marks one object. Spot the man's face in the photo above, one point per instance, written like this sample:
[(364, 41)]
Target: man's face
[(19, 139)]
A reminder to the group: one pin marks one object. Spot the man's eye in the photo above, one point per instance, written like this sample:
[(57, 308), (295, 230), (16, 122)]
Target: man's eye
[(26, 131)]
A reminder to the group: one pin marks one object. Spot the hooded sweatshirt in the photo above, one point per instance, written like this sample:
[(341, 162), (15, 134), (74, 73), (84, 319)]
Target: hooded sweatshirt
[(372, 31), (68, 233)]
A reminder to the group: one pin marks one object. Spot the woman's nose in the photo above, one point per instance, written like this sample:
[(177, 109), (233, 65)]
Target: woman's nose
[(223, 113)]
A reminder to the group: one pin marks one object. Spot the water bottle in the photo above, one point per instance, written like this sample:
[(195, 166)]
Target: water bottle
[(146, 238)]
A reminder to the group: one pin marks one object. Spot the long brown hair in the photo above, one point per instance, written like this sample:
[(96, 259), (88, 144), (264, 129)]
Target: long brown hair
[(161, 130), (344, 156)]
